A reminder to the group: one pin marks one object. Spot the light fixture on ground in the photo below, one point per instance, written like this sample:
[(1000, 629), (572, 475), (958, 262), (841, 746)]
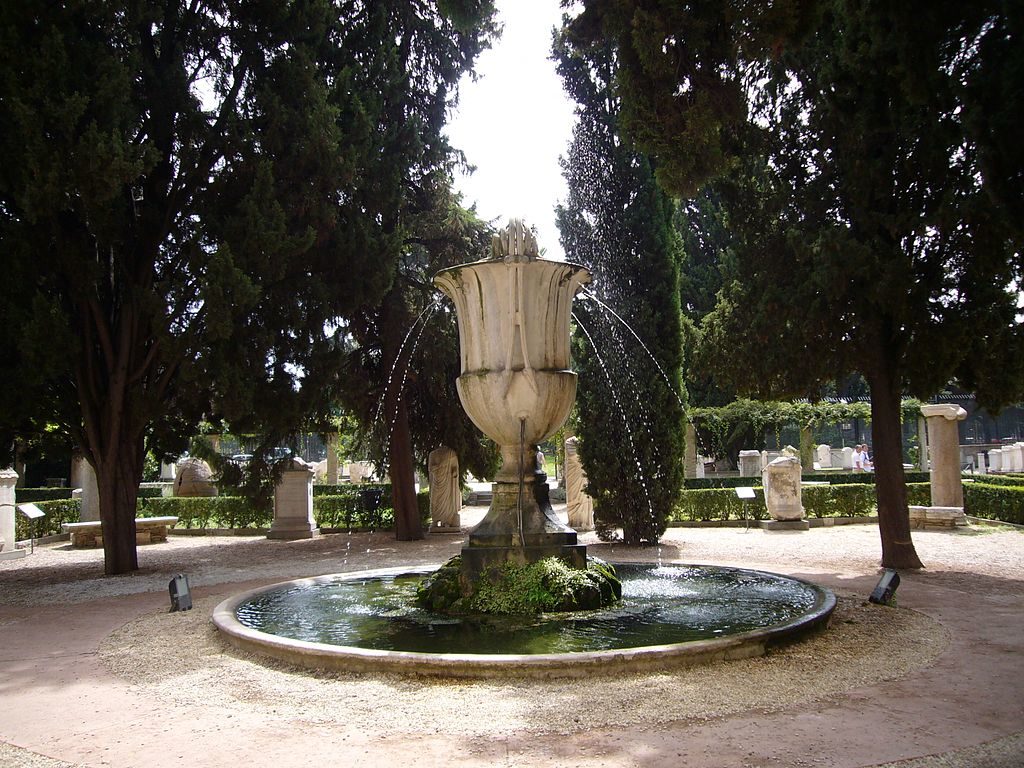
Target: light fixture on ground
[(181, 597), (886, 588)]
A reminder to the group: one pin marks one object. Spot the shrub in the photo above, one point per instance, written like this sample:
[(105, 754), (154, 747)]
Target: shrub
[(208, 512), (995, 502), (1010, 480), (706, 504), (57, 511), (919, 494), (844, 500)]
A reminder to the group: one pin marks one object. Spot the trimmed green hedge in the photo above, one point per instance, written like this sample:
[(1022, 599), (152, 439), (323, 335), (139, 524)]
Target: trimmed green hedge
[(1016, 481), (846, 478), (995, 502), (707, 504), (919, 494), (845, 500), (26, 495), (208, 511), (57, 511)]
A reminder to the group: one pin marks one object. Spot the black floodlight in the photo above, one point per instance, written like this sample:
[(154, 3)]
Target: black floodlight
[(885, 588), (181, 598)]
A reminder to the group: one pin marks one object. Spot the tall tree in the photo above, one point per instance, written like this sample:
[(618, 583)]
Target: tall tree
[(866, 155), (402, 360), (192, 198), (619, 224)]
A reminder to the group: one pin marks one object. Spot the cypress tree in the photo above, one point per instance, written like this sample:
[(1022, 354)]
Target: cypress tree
[(616, 222)]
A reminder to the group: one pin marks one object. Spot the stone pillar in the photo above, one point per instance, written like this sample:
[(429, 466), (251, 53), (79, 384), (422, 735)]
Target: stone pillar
[(847, 460), (293, 503), (8, 538), (750, 463), (782, 494), (944, 436), (690, 460), (995, 460), (332, 458), (445, 493), (1017, 457), (979, 463), (84, 476), (579, 505), (168, 470), (824, 456), (922, 441)]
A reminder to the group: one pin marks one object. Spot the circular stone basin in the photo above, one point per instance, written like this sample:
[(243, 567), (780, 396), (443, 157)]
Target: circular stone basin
[(670, 615)]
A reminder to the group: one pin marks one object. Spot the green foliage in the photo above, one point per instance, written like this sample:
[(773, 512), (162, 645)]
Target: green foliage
[(545, 586), (227, 185), (209, 512), (919, 494), (711, 504), (1012, 480), (995, 502), (617, 223), (57, 511)]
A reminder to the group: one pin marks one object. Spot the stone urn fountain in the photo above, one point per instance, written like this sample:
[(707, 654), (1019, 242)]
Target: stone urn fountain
[(513, 317)]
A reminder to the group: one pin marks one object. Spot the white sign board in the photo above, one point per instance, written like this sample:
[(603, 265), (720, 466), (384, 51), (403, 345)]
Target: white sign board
[(31, 511), (745, 492)]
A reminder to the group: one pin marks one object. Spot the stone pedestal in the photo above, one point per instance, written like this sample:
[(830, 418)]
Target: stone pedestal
[(944, 439), (782, 493), (1016, 458), (690, 454), (824, 453), (995, 460), (332, 459), (359, 471), (293, 503), (847, 457), (579, 505), (937, 517), (750, 463), (445, 493), (168, 471), (8, 538), (84, 476)]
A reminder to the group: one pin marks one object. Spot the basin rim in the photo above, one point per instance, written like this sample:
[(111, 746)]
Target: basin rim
[(324, 656)]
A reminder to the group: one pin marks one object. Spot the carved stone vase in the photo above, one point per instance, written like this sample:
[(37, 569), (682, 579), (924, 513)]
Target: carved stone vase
[(516, 385)]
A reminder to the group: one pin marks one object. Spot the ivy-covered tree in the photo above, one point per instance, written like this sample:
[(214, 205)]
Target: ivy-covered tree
[(618, 223), (402, 360), (193, 197), (868, 158)]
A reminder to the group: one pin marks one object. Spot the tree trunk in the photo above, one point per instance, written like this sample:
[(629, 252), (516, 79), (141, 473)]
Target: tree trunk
[(408, 526), (890, 486), (117, 480)]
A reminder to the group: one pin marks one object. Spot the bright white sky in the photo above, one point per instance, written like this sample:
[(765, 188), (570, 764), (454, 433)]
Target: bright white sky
[(514, 122)]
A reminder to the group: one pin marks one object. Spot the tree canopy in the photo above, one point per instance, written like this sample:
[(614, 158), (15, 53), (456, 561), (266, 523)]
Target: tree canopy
[(872, 226), (193, 196)]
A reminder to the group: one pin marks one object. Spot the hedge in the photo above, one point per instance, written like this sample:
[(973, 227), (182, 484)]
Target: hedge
[(995, 502), (208, 511), (862, 478), (707, 504), (1010, 480), (56, 512), (25, 495)]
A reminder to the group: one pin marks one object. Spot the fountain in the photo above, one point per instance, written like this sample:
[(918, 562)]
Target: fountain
[(513, 314)]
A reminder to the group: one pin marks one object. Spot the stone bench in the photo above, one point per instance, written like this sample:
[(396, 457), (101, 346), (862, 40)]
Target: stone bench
[(148, 530), (937, 517)]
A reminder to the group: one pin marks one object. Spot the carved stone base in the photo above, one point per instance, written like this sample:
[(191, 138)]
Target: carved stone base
[(785, 525)]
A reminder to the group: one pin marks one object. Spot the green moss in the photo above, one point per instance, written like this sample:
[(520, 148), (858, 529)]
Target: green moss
[(550, 585)]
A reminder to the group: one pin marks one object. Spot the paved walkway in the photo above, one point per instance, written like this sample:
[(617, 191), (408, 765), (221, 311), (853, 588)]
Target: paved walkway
[(59, 703)]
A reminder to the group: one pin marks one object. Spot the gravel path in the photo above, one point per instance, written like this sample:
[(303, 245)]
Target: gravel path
[(180, 658)]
